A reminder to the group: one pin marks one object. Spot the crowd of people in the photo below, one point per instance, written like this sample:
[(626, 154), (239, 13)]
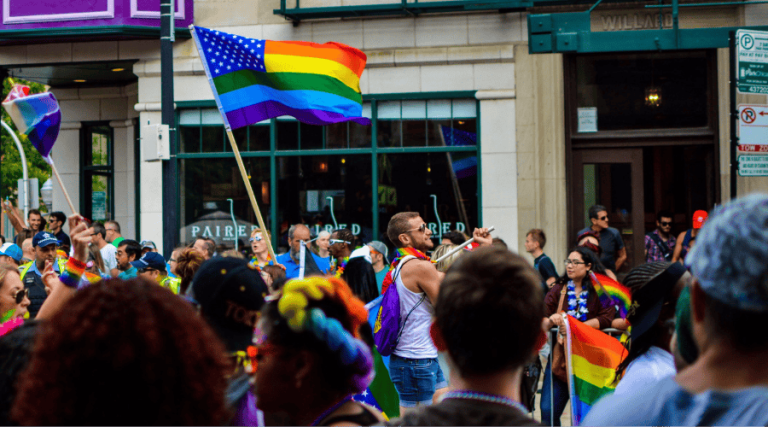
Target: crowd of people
[(97, 328)]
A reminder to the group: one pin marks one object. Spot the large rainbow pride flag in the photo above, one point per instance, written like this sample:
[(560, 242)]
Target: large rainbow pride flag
[(255, 80), (592, 358)]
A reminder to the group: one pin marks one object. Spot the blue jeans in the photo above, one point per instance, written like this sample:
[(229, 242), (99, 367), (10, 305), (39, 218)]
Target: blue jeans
[(415, 380), (560, 391)]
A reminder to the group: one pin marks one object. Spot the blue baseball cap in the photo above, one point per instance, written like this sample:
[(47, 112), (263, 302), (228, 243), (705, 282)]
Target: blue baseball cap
[(150, 260), (12, 250), (43, 239)]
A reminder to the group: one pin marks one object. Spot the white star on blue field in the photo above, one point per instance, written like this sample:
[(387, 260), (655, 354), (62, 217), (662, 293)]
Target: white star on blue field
[(225, 53)]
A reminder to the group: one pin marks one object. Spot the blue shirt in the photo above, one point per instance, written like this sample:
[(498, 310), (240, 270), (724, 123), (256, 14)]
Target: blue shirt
[(666, 403), (292, 268), (128, 274)]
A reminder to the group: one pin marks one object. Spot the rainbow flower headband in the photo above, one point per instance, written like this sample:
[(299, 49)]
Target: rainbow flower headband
[(352, 351)]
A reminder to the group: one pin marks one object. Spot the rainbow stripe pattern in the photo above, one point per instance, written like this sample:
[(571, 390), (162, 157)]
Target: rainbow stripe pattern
[(37, 116), (592, 358), (612, 292), (255, 80)]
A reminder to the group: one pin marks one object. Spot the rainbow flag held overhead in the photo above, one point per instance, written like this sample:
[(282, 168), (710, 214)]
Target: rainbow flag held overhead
[(612, 292), (38, 116), (592, 358), (255, 80)]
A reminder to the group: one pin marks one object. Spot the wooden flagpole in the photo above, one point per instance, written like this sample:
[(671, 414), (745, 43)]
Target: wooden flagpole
[(249, 189), (61, 184)]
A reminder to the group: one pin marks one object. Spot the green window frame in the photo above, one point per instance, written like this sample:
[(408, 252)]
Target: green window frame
[(187, 109)]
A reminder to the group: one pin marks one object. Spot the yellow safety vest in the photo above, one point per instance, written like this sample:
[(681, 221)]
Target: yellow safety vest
[(174, 284), (25, 268)]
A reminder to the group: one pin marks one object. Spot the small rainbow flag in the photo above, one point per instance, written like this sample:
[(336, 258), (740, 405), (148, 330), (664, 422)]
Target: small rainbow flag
[(612, 292), (592, 358), (255, 80), (37, 116)]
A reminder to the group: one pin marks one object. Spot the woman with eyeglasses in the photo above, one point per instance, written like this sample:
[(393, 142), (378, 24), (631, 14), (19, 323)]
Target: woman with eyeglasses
[(259, 248), (572, 294), (310, 358)]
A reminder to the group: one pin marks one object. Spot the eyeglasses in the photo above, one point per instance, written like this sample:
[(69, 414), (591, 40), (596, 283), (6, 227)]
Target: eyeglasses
[(665, 223), (171, 260), (574, 262), (256, 238), (20, 295), (334, 241), (603, 218), (422, 228)]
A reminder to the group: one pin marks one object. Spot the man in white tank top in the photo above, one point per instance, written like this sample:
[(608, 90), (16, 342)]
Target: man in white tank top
[(413, 367)]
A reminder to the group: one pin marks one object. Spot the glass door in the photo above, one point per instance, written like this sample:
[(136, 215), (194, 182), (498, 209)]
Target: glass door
[(612, 178)]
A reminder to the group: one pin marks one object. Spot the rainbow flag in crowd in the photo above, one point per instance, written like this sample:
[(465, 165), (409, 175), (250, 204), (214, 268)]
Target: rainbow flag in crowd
[(381, 394), (37, 116), (592, 358), (612, 292), (255, 80)]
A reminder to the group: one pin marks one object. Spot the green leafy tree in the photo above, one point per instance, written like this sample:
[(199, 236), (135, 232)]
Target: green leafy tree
[(10, 160)]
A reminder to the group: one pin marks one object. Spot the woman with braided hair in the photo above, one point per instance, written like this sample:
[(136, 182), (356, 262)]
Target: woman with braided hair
[(655, 289), (310, 358)]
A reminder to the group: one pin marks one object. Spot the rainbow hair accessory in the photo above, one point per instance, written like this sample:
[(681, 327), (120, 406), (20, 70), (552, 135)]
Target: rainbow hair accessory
[(352, 351)]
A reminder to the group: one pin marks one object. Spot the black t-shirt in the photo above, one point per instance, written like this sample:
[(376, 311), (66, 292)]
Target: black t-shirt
[(461, 412), (546, 268), (63, 239)]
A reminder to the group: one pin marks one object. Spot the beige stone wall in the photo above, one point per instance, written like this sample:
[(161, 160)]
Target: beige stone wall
[(541, 150)]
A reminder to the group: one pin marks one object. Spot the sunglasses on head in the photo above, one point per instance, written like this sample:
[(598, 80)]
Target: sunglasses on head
[(20, 295), (334, 241)]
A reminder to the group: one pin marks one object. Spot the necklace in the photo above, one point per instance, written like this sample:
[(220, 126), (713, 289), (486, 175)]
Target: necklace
[(485, 397), (340, 268), (330, 410)]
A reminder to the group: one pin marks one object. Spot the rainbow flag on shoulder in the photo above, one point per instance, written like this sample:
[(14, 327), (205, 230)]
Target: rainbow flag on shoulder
[(255, 80), (592, 358)]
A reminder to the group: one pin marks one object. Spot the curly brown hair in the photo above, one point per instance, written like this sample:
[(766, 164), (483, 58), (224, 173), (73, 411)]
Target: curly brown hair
[(187, 264), (128, 353)]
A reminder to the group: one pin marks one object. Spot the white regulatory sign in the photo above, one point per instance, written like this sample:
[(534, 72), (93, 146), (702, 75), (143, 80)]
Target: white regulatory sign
[(753, 124)]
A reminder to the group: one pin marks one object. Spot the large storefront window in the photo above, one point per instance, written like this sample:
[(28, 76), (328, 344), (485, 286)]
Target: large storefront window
[(322, 176), (206, 188)]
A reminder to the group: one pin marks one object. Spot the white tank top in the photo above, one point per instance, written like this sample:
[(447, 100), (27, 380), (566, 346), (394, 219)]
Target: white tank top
[(415, 342)]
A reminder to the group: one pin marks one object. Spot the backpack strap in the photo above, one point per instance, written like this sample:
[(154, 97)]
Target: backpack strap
[(401, 328), (660, 243), (562, 299)]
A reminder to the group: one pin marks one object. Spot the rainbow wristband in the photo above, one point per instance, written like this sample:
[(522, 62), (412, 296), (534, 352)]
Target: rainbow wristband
[(73, 271)]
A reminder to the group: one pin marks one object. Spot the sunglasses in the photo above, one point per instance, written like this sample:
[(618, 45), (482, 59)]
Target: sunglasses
[(20, 295), (334, 241), (603, 218), (146, 270), (665, 223), (256, 238), (422, 228)]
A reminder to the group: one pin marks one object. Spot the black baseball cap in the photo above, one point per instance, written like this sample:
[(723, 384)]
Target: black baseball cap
[(230, 293), (649, 299)]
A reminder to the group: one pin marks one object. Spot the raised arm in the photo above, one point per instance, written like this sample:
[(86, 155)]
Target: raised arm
[(63, 288), (13, 216)]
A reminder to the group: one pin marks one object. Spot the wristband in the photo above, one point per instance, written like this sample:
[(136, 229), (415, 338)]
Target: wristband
[(73, 271)]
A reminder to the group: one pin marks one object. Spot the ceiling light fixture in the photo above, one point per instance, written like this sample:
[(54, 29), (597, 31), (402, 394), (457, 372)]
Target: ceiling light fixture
[(80, 81), (118, 69)]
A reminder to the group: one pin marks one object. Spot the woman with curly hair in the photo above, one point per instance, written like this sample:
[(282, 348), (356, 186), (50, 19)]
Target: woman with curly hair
[(187, 263), (311, 359), (128, 353)]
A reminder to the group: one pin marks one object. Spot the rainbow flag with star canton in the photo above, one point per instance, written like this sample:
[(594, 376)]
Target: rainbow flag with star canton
[(255, 80), (592, 357)]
